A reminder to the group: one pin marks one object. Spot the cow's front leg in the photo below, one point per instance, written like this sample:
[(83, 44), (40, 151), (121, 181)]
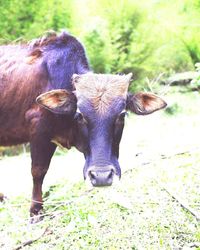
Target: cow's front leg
[(41, 153)]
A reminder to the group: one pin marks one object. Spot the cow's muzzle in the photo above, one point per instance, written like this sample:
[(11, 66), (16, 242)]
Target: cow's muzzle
[(101, 176)]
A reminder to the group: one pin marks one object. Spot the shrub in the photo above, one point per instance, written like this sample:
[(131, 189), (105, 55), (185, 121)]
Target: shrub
[(196, 82)]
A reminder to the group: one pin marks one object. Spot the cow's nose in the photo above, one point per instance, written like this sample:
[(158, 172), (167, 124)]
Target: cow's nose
[(101, 177)]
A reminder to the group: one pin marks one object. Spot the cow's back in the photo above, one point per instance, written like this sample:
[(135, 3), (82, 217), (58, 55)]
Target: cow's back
[(20, 81)]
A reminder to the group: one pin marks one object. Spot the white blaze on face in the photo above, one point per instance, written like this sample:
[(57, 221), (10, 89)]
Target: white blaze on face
[(101, 89)]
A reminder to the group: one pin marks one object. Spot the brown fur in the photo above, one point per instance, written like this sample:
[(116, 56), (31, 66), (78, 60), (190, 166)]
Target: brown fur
[(101, 89), (35, 54), (25, 73), (22, 79), (20, 84), (46, 39)]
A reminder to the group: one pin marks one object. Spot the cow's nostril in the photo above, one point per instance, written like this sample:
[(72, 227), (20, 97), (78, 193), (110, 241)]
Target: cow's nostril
[(110, 175), (101, 178), (92, 175)]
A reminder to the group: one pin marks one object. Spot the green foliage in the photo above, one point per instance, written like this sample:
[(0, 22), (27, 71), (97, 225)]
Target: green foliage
[(15, 18), (51, 14), (145, 37), (196, 82), (14, 150), (172, 109), (96, 49), (112, 40), (28, 19)]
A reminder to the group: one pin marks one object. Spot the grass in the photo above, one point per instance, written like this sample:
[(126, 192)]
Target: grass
[(142, 211)]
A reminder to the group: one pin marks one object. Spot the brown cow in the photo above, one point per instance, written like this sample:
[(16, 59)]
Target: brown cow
[(74, 107)]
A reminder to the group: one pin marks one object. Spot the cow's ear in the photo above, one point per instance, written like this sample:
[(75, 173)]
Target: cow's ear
[(144, 103), (59, 101)]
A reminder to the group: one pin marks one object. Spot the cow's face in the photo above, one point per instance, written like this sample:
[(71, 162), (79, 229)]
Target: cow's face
[(99, 104)]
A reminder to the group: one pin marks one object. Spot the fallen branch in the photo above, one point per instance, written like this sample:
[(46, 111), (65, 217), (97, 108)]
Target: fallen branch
[(182, 203), (52, 214), (55, 211), (29, 242), (164, 157)]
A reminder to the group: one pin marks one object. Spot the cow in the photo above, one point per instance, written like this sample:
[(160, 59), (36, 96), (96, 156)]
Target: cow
[(49, 95)]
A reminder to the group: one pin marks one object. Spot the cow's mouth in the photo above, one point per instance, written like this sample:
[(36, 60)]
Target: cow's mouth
[(101, 176)]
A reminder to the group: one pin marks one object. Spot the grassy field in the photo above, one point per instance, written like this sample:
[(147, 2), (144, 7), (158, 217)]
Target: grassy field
[(156, 205)]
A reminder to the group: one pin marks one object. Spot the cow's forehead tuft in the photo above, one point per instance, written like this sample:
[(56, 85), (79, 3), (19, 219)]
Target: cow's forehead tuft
[(101, 89)]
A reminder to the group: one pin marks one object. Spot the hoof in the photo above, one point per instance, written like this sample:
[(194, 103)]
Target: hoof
[(35, 218), (36, 213)]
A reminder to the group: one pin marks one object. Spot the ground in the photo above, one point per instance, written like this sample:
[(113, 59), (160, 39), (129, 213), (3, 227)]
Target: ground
[(156, 204)]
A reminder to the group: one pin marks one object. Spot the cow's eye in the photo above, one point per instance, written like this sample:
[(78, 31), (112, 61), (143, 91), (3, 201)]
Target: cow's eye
[(80, 118), (122, 115), (120, 118)]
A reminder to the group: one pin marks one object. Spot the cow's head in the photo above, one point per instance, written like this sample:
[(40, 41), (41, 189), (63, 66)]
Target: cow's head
[(98, 105)]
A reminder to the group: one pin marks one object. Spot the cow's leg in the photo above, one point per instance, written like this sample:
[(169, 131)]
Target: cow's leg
[(41, 153)]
